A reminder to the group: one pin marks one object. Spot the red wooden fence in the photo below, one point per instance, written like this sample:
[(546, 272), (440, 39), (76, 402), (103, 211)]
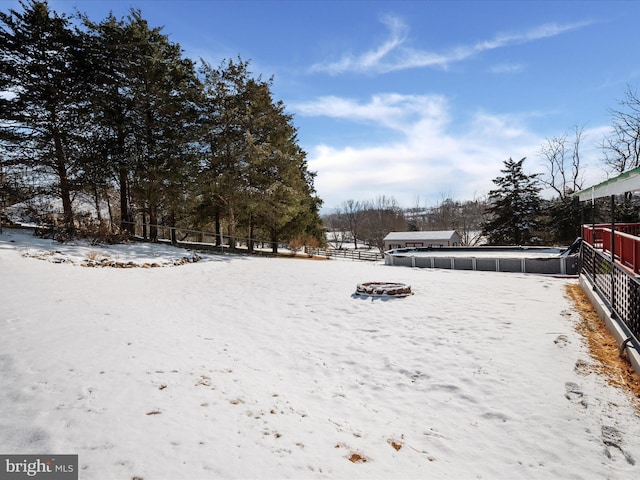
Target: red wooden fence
[(626, 240)]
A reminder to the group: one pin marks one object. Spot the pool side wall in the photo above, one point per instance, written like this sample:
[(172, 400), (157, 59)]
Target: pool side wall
[(559, 265)]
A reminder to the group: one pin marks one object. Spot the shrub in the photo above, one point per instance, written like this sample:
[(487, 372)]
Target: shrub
[(101, 232), (296, 243)]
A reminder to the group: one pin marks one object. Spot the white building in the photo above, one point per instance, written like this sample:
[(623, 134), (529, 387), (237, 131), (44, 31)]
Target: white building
[(445, 238)]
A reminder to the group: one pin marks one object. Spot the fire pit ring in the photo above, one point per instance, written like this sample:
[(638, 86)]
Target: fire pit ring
[(383, 289)]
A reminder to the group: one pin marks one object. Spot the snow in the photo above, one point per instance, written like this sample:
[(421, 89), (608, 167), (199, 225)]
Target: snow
[(32, 210), (246, 367)]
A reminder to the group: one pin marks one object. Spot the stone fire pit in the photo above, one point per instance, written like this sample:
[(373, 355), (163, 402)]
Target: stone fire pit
[(383, 289)]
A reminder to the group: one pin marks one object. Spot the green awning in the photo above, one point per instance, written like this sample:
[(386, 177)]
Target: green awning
[(623, 183)]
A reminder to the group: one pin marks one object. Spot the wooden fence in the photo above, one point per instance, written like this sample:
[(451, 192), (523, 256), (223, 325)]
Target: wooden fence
[(366, 255), (200, 240), (624, 242)]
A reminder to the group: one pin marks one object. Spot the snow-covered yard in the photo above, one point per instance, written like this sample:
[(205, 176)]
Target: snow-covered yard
[(243, 367)]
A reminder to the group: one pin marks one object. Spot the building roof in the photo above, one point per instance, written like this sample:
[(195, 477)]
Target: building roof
[(626, 182), (423, 235)]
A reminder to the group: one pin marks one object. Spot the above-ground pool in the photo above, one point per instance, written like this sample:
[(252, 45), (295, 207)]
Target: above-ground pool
[(540, 260)]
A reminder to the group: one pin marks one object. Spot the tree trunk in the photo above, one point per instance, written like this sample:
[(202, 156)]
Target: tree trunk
[(109, 210), (126, 222), (65, 185), (250, 240), (96, 199), (144, 224), (172, 219), (153, 222), (218, 228), (274, 241), (232, 228)]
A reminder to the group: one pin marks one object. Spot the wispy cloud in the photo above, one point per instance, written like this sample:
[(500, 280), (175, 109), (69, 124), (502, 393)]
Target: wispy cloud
[(391, 110), (508, 68), (394, 53)]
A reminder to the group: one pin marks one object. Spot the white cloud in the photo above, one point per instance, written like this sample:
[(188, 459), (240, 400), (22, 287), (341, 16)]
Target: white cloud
[(508, 68), (427, 161), (398, 31), (395, 55), (391, 110)]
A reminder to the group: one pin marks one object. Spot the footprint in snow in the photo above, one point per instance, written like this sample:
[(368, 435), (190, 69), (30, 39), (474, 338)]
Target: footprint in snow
[(561, 341), (612, 439), (575, 394)]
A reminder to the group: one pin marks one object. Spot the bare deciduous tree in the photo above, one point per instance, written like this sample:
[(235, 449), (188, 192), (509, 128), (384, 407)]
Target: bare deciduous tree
[(622, 147), (465, 217), (473, 214), (561, 158), (382, 215), (352, 213), (335, 229)]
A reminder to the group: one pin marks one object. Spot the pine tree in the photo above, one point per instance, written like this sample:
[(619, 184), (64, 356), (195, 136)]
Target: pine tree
[(224, 116), (44, 108), (280, 188), (254, 170), (164, 91), (514, 207), (144, 100), (563, 219), (117, 106), (110, 46)]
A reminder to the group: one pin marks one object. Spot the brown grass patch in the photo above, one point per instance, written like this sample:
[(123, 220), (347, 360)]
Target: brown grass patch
[(357, 458), (603, 348), (397, 446), (354, 457), (301, 256)]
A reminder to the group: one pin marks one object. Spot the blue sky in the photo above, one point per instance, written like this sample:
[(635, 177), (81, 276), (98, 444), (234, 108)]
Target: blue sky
[(418, 100)]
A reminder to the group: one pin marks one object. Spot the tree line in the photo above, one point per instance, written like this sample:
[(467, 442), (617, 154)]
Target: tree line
[(358, 224), (113, 107), (514, 213), (517, 213)]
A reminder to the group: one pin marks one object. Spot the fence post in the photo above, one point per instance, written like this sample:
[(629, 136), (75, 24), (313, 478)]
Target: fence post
[(613, 256), (593, 265)]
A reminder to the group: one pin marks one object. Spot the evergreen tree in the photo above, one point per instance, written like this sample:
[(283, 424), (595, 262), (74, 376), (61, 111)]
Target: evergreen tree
[(563, 219), (280, 194), (253, 171), (514, 207), (144, 98), (224, 116), (164, 93), (116, 106), (44, 109), (110, 45)]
